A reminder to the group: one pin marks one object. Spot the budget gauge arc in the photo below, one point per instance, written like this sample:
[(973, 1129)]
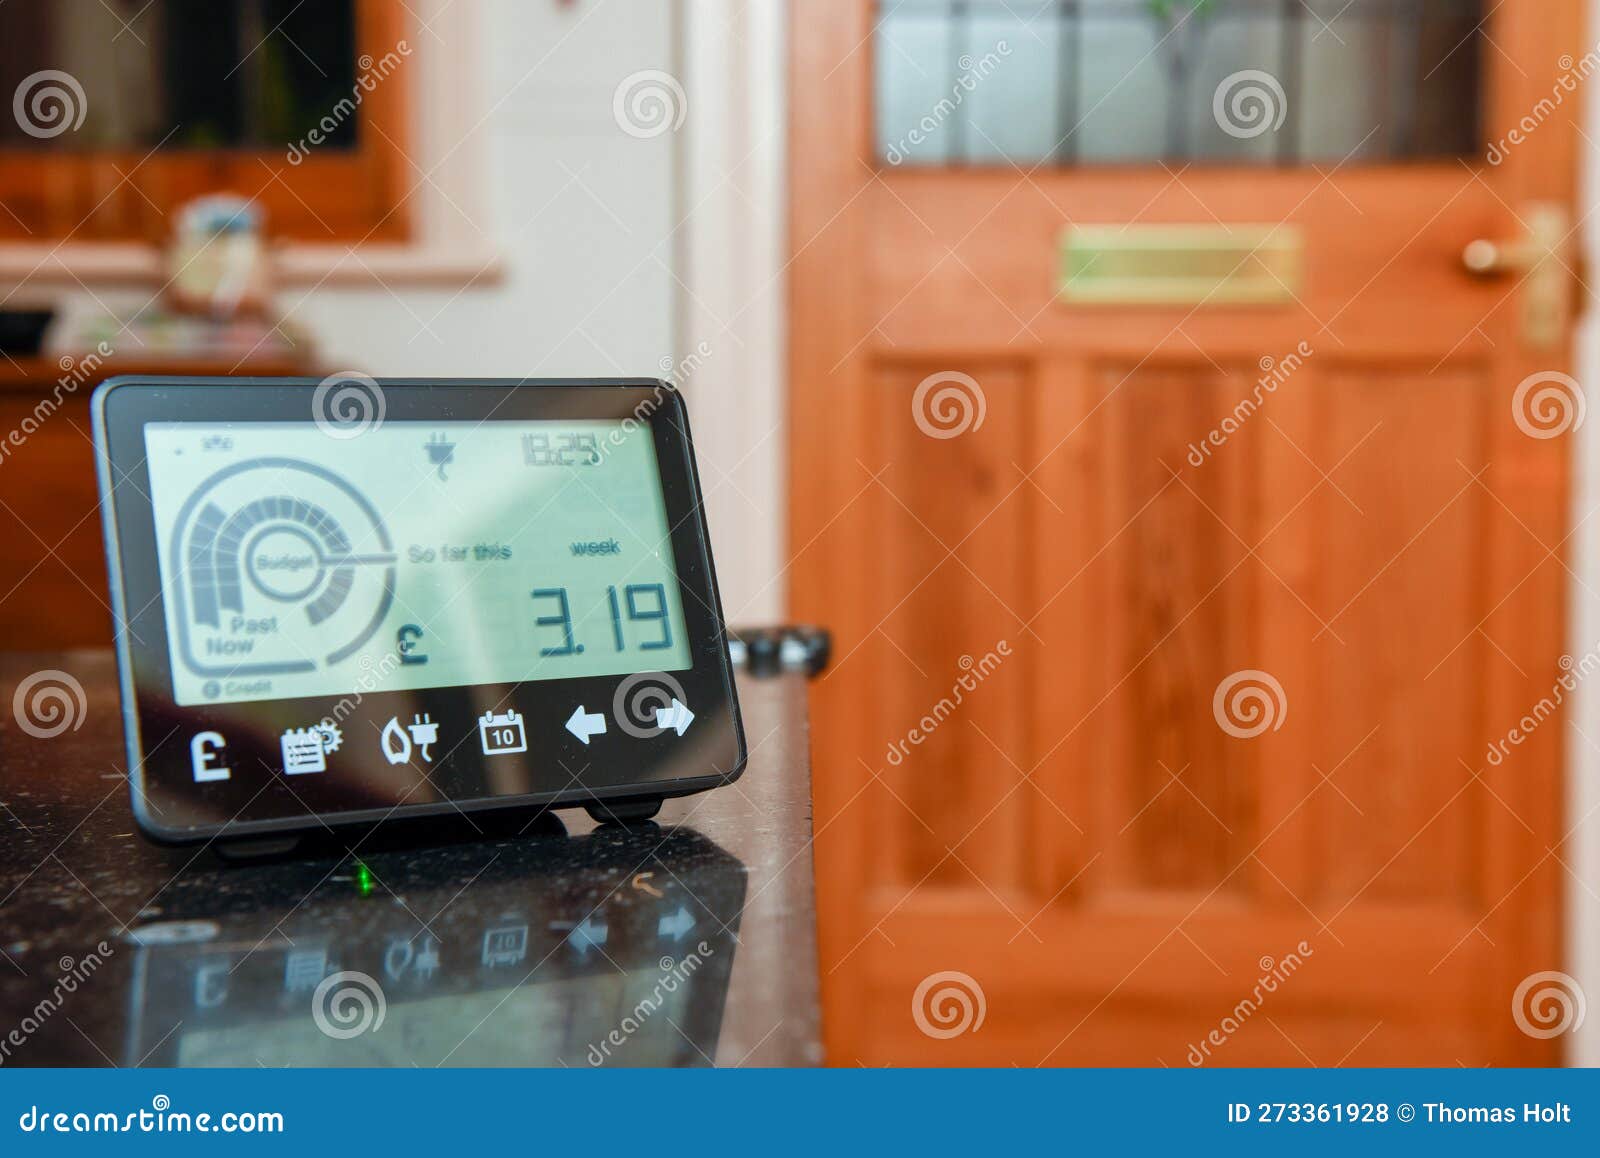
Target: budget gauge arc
[(346, 600)]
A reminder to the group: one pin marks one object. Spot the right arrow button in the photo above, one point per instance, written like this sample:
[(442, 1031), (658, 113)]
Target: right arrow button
[(677, 717)]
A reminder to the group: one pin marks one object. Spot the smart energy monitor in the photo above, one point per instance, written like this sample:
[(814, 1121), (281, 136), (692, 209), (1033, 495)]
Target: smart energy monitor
[(351, 600)]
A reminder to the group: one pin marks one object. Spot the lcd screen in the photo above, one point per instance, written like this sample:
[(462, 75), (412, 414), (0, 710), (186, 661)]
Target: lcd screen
[(296, 563)]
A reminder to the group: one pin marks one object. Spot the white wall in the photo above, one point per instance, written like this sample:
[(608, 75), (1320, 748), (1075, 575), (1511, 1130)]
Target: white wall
[(734, 246), (580, 212)]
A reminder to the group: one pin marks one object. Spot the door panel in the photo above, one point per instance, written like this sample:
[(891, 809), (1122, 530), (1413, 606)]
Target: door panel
[(1399, 594), (952, 585), (1270, 578), (1176, 621)]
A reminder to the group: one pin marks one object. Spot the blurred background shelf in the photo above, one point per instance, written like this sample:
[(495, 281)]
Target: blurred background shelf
[(52, 562)]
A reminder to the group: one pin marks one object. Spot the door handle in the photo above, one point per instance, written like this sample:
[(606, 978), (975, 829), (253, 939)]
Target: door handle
[(1492, 259), (1540, 255)]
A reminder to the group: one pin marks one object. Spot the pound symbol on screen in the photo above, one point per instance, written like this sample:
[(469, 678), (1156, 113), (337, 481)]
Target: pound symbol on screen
[(204, 753), (406, 643), (502, 734)]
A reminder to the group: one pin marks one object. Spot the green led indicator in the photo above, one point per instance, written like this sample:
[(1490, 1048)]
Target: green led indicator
[(363, 879)]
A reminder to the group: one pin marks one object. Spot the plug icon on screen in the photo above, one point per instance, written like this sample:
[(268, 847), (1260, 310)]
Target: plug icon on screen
[(424, 734), (441, 453)]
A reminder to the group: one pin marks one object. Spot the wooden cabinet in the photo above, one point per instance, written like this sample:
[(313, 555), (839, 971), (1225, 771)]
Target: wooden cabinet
[(53, 591)]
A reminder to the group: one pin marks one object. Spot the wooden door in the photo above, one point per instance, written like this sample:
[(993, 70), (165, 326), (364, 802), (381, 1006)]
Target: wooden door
[(1159, 729)]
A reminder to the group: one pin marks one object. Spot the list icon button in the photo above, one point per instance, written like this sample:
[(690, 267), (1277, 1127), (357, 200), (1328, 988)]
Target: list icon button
[(306, 750)]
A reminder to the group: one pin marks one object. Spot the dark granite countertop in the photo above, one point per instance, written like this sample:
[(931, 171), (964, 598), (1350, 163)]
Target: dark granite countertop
[(690, 941)]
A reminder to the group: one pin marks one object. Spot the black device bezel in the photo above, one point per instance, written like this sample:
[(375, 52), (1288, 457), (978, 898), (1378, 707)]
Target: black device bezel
[(650, 767)]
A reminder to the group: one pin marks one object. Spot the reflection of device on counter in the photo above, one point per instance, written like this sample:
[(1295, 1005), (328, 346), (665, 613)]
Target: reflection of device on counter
[(534, 962)]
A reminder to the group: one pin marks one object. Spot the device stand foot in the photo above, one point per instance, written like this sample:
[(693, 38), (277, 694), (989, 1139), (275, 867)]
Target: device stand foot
[(623, 811), (259, 849)]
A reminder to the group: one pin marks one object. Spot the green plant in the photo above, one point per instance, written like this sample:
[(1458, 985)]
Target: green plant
[(1178, 47)]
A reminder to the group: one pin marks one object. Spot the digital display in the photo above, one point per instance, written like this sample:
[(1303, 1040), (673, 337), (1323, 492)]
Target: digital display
[(298, 563)]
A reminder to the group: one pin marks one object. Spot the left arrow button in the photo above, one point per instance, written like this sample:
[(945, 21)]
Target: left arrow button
[(585, 724)]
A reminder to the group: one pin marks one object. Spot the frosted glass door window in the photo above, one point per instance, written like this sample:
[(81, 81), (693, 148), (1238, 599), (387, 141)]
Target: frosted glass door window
[(1253, 82)]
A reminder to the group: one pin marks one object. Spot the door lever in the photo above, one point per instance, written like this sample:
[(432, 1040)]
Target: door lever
[(1540, 255), (1491, 259)]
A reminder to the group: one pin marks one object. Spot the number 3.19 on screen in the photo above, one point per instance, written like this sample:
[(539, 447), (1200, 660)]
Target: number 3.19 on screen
[(642, 605)]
